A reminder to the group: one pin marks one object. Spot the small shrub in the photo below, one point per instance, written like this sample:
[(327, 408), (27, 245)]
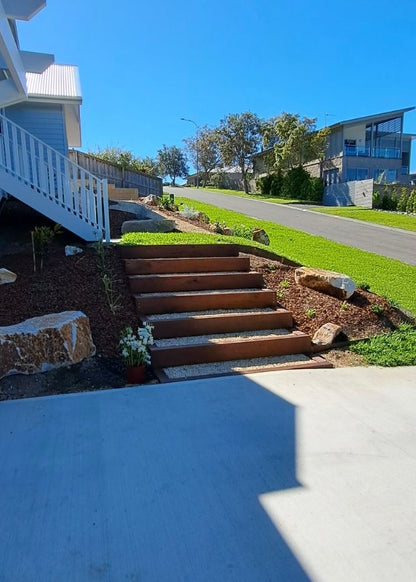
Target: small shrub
[(242, 230), (189, 212), (345, 306), (311, 313), (166, 203), (284, 284), (377, 309), (42, 236), (364, 286)]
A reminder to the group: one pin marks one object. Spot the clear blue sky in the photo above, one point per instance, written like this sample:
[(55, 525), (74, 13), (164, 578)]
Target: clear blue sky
[(143, 65)]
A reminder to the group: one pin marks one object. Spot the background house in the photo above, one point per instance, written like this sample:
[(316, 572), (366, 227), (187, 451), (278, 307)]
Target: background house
[(360, 151)]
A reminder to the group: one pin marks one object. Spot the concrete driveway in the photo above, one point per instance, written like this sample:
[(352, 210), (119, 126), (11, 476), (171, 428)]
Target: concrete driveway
[(388, 242), (282, 476)]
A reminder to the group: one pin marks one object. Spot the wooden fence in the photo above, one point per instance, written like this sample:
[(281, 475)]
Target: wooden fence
[(145, 183)]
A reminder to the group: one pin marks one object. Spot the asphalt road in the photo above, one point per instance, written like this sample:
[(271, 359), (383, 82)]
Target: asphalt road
[(382, 240)]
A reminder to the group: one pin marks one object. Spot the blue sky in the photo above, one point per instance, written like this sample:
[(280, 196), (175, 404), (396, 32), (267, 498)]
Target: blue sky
[(143, 65)]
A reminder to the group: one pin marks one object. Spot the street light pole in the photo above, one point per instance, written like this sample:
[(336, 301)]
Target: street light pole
[(197, 156)]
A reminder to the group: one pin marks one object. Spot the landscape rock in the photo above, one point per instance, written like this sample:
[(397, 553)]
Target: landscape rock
[(150, 200), (69, 251), (43, 343), (329, 282), (261, 236), (7, 276), (149, 225), (326, 334), (227, 231)]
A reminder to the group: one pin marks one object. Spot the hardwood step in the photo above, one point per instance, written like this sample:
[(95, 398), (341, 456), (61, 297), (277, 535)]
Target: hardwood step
[(148, 303), (194, 282), (220, 323), (295, 342), (234, 367), (186, 265), (182, 250)]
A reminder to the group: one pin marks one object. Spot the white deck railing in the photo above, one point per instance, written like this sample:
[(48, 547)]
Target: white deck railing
[(56, 181)]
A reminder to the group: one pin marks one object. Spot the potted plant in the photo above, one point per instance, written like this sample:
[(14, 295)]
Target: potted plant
[(135, 352)]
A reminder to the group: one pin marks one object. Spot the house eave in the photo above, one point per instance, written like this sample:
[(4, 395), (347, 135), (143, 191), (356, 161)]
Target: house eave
[(370, 118), (22, 9)]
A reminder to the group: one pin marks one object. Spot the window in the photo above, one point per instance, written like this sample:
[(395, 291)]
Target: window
[(357, 174), (385, 176)]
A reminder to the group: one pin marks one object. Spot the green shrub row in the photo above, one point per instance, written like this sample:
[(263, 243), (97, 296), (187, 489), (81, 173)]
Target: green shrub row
[(395, 198), (296, 183)]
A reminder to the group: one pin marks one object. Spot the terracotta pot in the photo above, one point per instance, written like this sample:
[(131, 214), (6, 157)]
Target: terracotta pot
[(135, 374)]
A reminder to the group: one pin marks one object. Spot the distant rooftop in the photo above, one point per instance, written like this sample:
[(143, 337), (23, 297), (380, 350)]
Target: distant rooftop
[(379, 116)]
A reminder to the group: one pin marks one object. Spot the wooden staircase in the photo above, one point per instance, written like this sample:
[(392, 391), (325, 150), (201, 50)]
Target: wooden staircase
[(207, 307)]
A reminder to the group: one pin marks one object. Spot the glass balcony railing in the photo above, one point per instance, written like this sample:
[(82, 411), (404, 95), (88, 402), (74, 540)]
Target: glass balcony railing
[(391, 153)]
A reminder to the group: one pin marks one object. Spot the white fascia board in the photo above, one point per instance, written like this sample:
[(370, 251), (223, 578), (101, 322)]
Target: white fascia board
[(36, 62), (22, 9), (8, 94), (11, 55), (73, 125)]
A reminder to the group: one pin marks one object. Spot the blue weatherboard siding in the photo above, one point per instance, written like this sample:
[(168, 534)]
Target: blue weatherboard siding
[(43, 120)]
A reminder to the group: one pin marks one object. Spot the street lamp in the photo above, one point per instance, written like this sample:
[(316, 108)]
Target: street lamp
[(196, 147)]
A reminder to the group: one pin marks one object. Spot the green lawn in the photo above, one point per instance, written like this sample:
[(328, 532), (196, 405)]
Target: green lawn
[(252, 195), (393, 219), (393, 349), (385, 276)]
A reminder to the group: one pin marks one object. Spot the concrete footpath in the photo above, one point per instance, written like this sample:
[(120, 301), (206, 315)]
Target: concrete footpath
[(299, 476)]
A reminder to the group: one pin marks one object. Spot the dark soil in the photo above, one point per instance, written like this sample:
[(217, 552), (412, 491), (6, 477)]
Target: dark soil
[(75, 283)]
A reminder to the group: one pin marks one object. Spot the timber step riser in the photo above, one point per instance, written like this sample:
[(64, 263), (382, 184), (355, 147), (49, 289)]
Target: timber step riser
[(197, 302), (224, 323), (295, 343), (185, 265), (178, 251), (194, 282)]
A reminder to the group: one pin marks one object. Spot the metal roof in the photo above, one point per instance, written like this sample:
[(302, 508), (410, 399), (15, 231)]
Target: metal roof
[(56, 82), (368, 118)]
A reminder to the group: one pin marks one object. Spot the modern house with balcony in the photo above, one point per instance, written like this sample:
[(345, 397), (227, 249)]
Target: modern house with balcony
[(39, 121), (367, 147), (372, 148)]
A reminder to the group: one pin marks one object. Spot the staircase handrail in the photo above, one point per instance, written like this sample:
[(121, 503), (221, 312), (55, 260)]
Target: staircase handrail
[(55, 176)]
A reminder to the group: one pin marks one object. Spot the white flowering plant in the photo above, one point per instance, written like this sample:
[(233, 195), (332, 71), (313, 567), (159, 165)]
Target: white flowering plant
[(135, 347)]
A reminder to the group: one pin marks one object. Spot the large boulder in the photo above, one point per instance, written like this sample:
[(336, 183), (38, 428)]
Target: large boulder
[(329, 282), (261, 236), (42, 343), (149, 225), (7, 276)]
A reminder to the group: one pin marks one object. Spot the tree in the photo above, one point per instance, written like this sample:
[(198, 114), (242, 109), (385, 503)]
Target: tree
[(295, 140), (204, 152), (172, 163), (240, 137), (126, 160)]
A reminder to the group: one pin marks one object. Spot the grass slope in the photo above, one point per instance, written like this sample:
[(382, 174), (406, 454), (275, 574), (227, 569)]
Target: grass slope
[(387, 277), (404, 221), (252, 195), (392, 349)]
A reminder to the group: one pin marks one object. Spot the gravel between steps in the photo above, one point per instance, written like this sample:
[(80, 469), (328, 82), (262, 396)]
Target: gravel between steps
[(195, 370), (219, 338), (185, 314)]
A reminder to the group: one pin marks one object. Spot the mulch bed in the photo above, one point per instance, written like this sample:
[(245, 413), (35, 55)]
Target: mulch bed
[(71, 283)]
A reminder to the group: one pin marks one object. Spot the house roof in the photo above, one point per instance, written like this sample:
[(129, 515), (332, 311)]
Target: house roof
[(57, 82), (378, 116)]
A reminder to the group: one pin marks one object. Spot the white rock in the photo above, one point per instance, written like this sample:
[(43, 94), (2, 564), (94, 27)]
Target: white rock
[(69, 251), (7, 276)]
